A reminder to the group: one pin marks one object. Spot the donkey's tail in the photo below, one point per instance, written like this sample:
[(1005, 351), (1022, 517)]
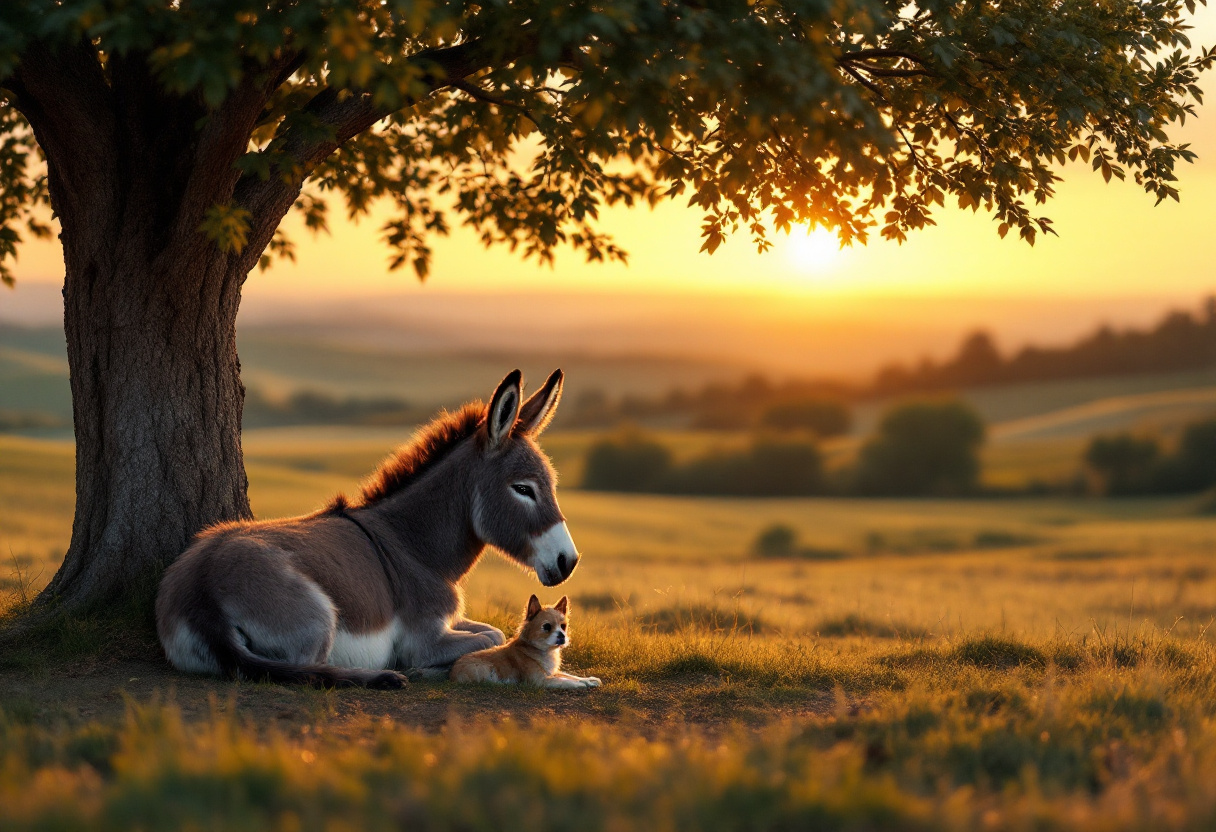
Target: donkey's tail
[(257, 668)]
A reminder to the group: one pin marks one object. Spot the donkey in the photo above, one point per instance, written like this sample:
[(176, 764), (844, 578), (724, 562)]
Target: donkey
[(368, 587)]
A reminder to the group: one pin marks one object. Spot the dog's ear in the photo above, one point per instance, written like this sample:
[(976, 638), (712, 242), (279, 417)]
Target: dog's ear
[(562, 605), (534, 608)]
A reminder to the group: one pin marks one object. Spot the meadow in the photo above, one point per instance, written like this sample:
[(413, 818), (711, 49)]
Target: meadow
[(997, 664)]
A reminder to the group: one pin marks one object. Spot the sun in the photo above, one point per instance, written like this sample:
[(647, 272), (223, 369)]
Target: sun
[(817, 251)]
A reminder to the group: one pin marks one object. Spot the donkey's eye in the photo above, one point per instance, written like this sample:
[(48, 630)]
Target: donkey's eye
[(547, 627), (524, 489)]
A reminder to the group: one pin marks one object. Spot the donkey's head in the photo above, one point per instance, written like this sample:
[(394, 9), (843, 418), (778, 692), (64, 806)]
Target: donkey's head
[(515, 500)]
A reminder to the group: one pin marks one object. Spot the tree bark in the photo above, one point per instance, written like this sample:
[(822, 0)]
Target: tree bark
[(157, 400), (150, 307)]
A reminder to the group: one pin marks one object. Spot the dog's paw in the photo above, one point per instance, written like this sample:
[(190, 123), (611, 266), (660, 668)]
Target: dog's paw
[(592, 682), (388, 680), (496, 636)]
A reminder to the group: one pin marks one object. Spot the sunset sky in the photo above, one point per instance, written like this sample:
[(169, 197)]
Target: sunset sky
[(1114, 245)]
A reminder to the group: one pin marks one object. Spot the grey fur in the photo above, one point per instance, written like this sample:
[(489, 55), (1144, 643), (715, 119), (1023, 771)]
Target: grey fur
[(280, 599)]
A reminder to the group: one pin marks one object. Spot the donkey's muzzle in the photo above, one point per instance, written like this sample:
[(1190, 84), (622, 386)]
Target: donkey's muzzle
[(566, 564), (562, 569), (555, 555)]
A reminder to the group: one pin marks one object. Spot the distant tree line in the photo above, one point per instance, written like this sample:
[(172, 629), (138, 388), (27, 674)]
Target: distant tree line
[(310, 407), (818, 408), (1127, 464), (635, 462), (1180, 341), (928, 448)]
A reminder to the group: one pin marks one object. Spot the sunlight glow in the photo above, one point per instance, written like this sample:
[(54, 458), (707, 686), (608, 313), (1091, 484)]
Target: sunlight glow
[(815, 252)]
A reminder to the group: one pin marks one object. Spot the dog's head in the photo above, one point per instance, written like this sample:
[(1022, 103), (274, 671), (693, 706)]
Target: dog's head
[(545, 627)]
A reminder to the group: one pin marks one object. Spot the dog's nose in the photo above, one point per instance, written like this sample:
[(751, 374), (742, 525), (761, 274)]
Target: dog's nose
[(561, 639), (566, 564)]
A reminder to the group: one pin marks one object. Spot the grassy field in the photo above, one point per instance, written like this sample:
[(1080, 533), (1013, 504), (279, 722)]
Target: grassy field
[(1014, 664)]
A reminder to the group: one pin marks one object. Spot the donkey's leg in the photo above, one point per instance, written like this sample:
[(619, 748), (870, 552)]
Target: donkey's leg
[(443, 645), (467, 625)]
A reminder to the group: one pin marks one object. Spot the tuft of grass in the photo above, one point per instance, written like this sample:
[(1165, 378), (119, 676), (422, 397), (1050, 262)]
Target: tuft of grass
[(859, 626), (602, 601), (1001, 539), (32, 638), (994, 652), (780, 541), (701, 617)]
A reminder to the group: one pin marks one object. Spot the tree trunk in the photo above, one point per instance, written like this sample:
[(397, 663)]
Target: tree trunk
[(150, 307), (157, 400)]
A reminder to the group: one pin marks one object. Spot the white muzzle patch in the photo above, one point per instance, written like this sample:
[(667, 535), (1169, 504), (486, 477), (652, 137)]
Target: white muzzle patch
[(554, 555)]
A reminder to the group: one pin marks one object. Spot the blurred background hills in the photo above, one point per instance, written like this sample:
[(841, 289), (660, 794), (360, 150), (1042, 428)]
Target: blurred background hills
[(703, 378)]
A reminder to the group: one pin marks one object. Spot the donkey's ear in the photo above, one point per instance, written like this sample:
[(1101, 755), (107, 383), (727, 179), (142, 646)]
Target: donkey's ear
[(537, 412), (534, 608), (504, 408), (563, 605)]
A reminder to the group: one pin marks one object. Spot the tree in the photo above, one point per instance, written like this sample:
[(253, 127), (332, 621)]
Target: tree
[(171, 138), (922, 449)]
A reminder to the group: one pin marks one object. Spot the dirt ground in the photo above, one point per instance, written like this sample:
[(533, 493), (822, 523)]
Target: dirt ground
[(100, 689)]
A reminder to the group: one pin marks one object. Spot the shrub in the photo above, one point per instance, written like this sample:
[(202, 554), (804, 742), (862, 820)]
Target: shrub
[(1123, 464), (823, 417), (770, 468), (1196, 457), (923, 448), (776, 541), (627, 462)]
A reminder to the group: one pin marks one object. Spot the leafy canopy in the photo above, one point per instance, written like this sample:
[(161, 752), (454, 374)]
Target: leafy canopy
[(523, 118)]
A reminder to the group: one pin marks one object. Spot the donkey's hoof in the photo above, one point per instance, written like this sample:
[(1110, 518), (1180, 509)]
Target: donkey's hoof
[(388, 680)]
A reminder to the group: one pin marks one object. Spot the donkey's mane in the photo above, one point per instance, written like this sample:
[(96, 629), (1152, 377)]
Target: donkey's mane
[(425, 449)]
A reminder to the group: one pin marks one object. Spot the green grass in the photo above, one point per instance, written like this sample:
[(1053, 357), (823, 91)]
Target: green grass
[(944, 742), (1045, 664)]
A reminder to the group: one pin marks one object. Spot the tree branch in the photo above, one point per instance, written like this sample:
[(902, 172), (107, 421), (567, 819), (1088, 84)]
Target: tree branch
[(870, 54), (490, 98), (225, 138), (346, 114), (865, 82), (64, 96)]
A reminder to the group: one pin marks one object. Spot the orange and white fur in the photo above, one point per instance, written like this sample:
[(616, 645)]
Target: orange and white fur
[(532, 657)]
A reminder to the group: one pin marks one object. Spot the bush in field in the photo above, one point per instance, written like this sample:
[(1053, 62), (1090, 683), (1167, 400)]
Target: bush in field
[(769, 468), (921, 449), (627, 462), (823, 417), (1193, 467), (776, 541), (1124, 464)]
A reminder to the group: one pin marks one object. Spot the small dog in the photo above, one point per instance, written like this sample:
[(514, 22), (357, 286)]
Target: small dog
[(533, 656)]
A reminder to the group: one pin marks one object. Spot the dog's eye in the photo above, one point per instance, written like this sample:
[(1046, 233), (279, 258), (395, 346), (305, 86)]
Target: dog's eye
[(547, 627), (563, 626), (524, 489)]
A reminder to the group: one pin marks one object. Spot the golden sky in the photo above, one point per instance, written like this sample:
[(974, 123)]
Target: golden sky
[(1113, 243)]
